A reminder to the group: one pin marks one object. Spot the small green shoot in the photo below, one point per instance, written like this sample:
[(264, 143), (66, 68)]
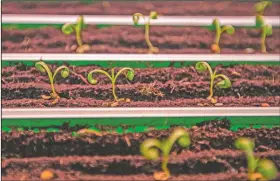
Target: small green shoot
[(64, 71), (266, 29), (215, 47), (153, 15), (225, 83), (258, 169), (129, 75), (69, 28), (149, 149)]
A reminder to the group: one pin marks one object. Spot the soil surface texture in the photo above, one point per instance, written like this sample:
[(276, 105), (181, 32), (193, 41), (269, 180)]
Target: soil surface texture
[(211, 135), (128, 39), (188, 8), (211, 155), (252, 85)]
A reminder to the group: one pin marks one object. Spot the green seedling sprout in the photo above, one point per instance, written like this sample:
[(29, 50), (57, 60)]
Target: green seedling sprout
[(266, 29), (258, 169), (69, 28), (113, 78), (215, 47), (149, 149), (225, 83), (153, 15), (64, 72)]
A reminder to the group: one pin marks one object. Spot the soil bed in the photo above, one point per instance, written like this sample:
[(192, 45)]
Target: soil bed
[(152, 87), (214, 135), (190, 8), (211, 156), (205, 162), (128, 39)]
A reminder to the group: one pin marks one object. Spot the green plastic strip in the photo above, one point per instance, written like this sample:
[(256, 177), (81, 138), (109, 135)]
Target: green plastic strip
[(183, 121), (137, 64)]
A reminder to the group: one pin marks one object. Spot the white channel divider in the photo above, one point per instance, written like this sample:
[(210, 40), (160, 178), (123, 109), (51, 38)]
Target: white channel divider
[(140, 57), (127, 20), (13, 113)]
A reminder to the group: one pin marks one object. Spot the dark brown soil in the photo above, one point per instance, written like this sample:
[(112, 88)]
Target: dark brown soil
[(23, 86), (205, 162), (77, 175), (194, 8), (209, 136), (128, 39)]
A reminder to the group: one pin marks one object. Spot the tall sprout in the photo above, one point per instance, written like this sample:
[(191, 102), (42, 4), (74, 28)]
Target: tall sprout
[(153, 15), (64, 72), (225, 83), (70, 28), (150, 150), (266, 29)]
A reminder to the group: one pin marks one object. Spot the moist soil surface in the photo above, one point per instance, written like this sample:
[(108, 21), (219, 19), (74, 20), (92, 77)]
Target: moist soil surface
[(128, 39), (190, 8), (252, 85), (211, 156), (214, 135)]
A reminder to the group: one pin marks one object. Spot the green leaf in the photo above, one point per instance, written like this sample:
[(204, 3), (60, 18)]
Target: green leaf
[(153, 15), (40, 66), (149, 149), (224, 83), (130, 75), (268, 29), (267, 169), (201, 66), (68, 28), (245, 144), (136, 18), (65, 72), (260, 6), (91, 79), (230, 30), (184, 141)]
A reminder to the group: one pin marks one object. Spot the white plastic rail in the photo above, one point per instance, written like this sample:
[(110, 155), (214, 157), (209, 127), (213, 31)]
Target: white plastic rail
[(13, 113), (140, 57), (127, 20)]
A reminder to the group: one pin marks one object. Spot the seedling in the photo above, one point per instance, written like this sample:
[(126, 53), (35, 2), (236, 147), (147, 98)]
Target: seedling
[(215, 47), (129, 75), (149, 149), (153, 15), (266, 29), (69, 28), (258, 169), (64, 71), (225, 83)]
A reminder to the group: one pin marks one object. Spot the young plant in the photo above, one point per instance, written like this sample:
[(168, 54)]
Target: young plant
[(225, 83), (153, 15), (149, 149), (266, 29), (113, 78), (69, 28), (64, 71), (258, 169), (215, 47)]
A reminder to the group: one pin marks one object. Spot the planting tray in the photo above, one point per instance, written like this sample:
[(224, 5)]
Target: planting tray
[(83, 137)]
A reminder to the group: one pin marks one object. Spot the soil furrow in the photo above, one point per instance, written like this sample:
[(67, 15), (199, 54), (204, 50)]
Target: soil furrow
[(21, 73), (182, 102), (190, 8), (127, 39), (78, 175), (204, 162), (141, 92), (212, 136)]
